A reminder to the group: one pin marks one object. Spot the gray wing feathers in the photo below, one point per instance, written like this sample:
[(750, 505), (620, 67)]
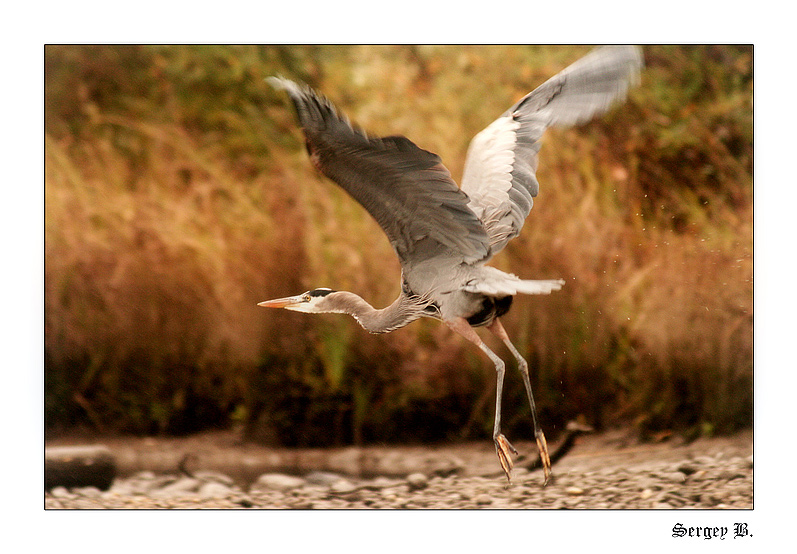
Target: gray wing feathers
[(586, 88), (407, 190), (500, 169)]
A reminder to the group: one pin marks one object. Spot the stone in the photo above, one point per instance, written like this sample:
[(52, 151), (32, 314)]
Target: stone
[(88, 492), (382, 482), (61, 492), (277, 481), (417, 481), (675, 477), (182, 487), (214, 476), (342, 486), (213, 489), (483, 500), (324, 478)]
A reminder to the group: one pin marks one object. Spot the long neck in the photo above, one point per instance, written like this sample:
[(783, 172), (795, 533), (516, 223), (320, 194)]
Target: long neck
[(402, 311)]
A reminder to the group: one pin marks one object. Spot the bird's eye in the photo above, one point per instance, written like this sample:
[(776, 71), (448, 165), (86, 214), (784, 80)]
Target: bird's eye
[(305, 298)]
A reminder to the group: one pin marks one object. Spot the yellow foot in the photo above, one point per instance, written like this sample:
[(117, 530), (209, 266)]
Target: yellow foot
[(503, 448), (542, 444)]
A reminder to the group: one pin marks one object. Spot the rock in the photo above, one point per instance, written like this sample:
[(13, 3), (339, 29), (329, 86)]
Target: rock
[(181, 487), (61, 492), (277, 481), (342, 486), (716, 499), (382, 482), (454, 498), (324, 478), (483, 500), (730, 474), (417, 481), (643, 481), (674, 477), (79, 466), (88, 492), (213, 489), (453, 465), (142, 483), (214, 476)]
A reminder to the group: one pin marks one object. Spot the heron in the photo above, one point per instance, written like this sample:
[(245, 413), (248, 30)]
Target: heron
[(443, 234)]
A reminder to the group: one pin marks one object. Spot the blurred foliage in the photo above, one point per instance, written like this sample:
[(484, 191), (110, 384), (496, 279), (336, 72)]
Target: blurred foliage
[(178, 195)]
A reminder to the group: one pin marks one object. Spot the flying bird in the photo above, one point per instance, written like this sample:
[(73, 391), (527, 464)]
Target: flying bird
[(444, 235)]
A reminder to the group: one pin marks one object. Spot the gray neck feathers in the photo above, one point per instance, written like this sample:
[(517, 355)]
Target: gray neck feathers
[(402, 311)]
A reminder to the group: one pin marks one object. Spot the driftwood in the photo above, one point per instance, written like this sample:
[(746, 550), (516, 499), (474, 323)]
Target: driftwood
[(78, 466)]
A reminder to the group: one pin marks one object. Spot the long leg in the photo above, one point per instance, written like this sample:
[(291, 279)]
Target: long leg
[(502, 445), (523, 366)]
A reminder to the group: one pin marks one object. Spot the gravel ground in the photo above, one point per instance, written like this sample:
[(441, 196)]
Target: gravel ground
[(608, 471)]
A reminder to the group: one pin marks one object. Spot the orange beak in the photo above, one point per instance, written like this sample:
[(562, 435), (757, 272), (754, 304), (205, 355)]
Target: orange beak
[(286, 302)]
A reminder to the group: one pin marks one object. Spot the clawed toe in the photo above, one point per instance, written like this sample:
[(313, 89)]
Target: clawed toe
[(503, 448), (542, 445)]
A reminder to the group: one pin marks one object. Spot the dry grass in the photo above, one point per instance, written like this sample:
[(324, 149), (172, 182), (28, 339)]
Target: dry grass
[(178, 196)]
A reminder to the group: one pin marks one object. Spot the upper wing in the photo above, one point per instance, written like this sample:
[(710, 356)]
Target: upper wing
[(500, 168), (407, 190)]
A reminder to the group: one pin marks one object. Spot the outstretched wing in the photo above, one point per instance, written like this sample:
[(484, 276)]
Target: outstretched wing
[(499, 176), (407, 190)]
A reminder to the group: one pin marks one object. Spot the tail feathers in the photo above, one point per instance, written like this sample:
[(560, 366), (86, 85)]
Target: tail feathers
[(539, 287), (510, 286)]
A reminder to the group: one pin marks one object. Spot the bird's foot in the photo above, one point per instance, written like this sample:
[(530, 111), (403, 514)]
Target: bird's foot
[(542, 445), (503, 448)]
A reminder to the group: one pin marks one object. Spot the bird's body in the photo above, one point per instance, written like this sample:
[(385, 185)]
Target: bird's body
[(444, 235)]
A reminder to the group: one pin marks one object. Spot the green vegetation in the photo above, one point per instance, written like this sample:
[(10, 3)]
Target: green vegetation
[(178, 195)]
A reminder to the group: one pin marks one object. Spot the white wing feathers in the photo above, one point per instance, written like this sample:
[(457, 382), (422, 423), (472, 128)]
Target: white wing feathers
[(500, 284), (494, 282), (501, 164)]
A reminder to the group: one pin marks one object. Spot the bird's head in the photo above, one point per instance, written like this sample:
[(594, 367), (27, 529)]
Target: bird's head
[(311, 302)]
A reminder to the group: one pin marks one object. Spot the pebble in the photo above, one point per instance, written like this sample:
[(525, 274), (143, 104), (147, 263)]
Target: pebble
[(214, 490), (417, 481), (322, 477), (277, 481), (215, 476), (88, 492), (185, 484), (383, 482), (483, 500), (675, 477), (342, 486), (708, 482), (60, 492)]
